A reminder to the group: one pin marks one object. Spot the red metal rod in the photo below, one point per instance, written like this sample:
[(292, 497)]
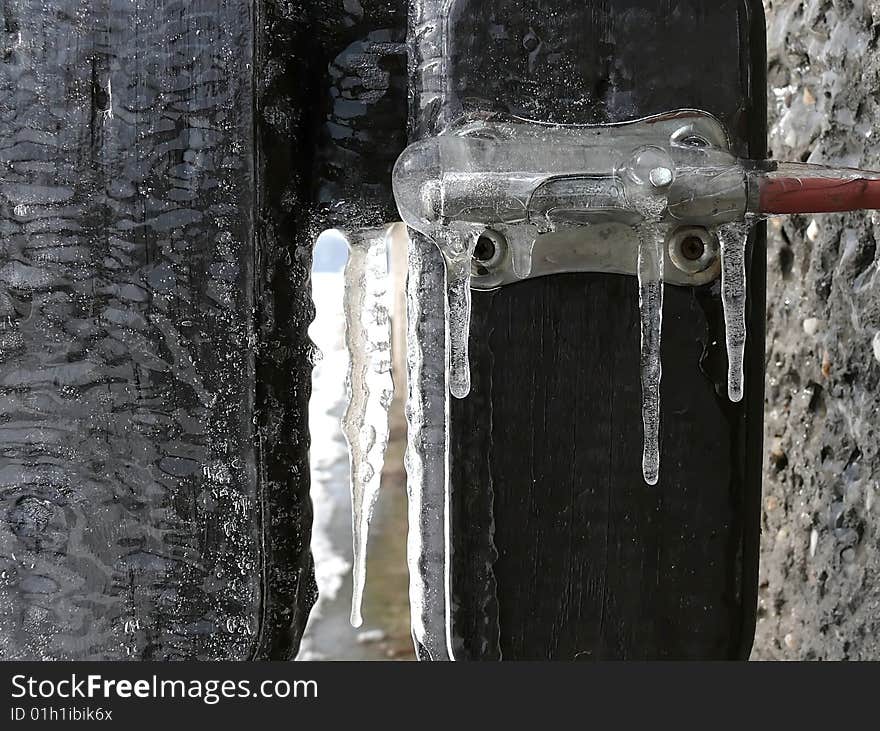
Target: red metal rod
[(817, 195)]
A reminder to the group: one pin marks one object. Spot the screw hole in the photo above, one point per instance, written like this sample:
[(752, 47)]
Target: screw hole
[(490, 248), (693, 248), (695, 141), (485, 249)]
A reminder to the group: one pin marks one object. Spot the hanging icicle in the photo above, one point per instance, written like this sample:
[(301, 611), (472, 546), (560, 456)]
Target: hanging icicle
[(370, 386), (733, 238), (458, 248), (426, 460), (458, 319), (651, 260)]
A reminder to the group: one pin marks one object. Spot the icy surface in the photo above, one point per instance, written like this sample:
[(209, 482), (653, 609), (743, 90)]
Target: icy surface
[(427, 453), (733, 238), (371, 390), (651, 241), (129, 488)]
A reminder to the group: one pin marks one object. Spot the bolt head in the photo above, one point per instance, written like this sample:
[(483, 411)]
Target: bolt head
[(650, 167), (660, 177)]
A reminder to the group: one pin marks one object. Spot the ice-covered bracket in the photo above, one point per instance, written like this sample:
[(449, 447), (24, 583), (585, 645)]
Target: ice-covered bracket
[(661, 198)]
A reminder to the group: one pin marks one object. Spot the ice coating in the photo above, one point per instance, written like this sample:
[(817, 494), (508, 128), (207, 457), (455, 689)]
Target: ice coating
[(651, 242), (371, 390), (428, 492), (133, 464), (536, 183), (733, 238)]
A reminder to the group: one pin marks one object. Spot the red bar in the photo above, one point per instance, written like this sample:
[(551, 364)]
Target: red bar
[(818, 195)]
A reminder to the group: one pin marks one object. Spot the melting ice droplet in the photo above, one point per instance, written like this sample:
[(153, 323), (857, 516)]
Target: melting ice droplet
[(521, 248), (365, 424), (651, 242), (733, 238)]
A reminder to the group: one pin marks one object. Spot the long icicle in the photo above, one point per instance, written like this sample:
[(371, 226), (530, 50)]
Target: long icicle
[(370, 386), (651, 261), (733, 238), (458, 313)]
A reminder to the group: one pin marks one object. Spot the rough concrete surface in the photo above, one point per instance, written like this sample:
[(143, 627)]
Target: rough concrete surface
[(820, 548)]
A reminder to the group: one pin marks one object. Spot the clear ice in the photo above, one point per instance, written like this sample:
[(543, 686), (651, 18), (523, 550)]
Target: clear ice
[(427, 452), (458, 319), (651, 260), (370, 386), (526, 179), (521, 248), (733, 238)]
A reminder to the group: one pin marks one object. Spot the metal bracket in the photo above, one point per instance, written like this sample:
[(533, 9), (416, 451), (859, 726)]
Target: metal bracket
[(691, 255), (529, 200), (661, 198)]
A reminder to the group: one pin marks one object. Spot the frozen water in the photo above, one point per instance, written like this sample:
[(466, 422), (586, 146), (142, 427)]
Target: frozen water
[(651, 260), (733, 238), (427, 452), (458, 319), (521, 247), (371, 390), (132, 489)]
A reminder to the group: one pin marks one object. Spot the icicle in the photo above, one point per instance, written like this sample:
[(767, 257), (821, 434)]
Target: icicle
[(521, 247), (365, 424), (458, 253), (733, 238), (651, 261)]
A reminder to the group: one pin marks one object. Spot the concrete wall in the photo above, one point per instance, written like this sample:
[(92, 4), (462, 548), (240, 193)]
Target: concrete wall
[(819, 595)]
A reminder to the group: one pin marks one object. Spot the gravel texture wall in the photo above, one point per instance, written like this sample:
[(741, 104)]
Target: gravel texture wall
[(819, 593)]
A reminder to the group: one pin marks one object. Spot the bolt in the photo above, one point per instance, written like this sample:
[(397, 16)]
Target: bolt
[(485, 249), (692, 248), (489, 249), (660, 177)]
